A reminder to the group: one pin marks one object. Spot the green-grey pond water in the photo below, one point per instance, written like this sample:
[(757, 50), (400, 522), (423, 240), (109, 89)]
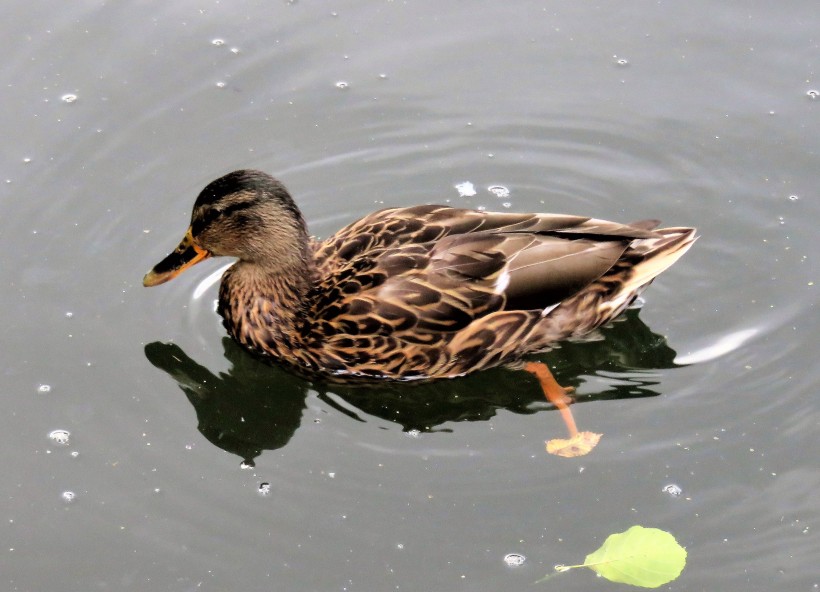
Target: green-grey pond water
[(143, 450)]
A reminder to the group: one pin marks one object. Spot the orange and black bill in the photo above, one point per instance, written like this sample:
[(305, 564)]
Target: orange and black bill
[(186, 255)]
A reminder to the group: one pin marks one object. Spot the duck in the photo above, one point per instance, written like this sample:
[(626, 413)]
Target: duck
[(414, 293)]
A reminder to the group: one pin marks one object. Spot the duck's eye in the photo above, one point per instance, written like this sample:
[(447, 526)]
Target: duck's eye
[(213, 214), (206, 218)]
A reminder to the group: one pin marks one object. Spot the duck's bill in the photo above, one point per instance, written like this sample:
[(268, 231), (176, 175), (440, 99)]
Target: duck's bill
[(186, 255)]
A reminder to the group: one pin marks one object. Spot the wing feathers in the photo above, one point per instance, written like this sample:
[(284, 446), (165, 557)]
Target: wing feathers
[(551, 271), (440, 268)]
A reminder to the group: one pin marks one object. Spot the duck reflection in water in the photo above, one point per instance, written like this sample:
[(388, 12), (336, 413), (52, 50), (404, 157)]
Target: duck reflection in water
[(255, 406)]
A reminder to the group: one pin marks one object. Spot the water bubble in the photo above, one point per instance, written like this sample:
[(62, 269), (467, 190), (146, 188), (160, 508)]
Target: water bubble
[(622, 62), (235, 50), (413, 433), (60, 437), (813, 94), (342, 85), (246, 465), (68, 98), (514, 559), (220, 84), (26, 160), (383, 76), (69, 314), (672, 489), (74, 454), (44, 388), (793, 198), (68, 496), (218, 42), (499, 191), (507, 204), (781, 220), (465, 189), (264, 488)]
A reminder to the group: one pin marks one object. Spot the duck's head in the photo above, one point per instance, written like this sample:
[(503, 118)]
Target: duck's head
[(245, 214)]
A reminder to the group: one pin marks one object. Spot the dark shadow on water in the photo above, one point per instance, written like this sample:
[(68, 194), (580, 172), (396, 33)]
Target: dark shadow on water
[(251, 408), (255, 406)]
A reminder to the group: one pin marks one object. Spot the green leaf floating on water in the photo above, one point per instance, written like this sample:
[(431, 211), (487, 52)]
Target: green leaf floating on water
[(645, 557)]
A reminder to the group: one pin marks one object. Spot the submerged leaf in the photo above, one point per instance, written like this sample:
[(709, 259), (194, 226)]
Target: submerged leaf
[(646, 557), (579, 445)]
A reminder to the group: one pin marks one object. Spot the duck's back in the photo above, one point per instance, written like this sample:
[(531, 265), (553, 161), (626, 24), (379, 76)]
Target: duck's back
[(433, 290)]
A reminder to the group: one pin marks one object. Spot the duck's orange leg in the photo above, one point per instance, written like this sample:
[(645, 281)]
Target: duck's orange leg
[(579, 443), (554, 392)]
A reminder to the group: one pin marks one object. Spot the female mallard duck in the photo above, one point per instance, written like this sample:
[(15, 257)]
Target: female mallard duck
[(413, 293)]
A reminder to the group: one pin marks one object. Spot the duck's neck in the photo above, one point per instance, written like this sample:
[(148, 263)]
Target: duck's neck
[(267, 311)]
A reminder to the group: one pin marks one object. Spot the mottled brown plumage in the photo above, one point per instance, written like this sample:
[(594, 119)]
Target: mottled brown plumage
[(413, 293)]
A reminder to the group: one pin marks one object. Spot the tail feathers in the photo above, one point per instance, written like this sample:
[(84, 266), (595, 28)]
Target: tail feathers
[(612, 293), (645, 260), (644, 224), (657, 255)]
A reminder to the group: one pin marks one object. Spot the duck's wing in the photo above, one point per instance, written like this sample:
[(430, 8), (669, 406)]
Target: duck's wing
[(433, 269), (530, 270), (431, 223)]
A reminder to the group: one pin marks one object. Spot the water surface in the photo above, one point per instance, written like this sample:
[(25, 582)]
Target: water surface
[(117, 115)]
